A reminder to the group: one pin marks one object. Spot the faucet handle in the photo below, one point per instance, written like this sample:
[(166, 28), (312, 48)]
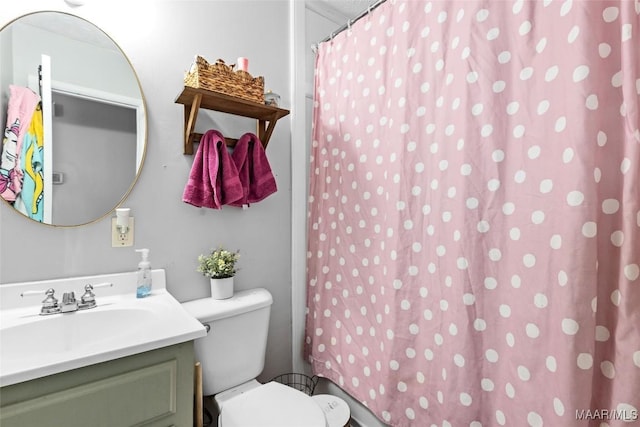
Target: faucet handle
[(88, 299), (50, 298), (50, 303)]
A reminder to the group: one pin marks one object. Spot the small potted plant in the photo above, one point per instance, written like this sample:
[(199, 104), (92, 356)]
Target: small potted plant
[(220, 267)]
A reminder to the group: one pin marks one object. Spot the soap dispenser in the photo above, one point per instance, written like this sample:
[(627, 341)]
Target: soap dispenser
[(143, 286)]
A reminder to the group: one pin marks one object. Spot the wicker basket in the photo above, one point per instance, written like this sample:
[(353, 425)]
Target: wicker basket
[(220, 77)]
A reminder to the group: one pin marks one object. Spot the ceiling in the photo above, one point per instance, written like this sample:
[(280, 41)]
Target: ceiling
[(338, 11), (341, 10)]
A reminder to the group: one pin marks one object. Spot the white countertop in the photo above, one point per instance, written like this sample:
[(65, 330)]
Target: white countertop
[(33, 346)]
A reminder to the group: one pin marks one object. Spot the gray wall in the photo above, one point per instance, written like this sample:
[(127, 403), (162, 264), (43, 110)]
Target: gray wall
[(161, 39)]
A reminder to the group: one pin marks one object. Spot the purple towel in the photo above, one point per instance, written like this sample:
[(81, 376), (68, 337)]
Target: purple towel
[(213, 180), (254, 170)]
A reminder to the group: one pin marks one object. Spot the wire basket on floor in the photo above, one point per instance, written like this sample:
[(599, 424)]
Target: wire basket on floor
[(301, 382)]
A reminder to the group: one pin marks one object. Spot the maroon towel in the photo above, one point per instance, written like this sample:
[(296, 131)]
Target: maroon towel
[(254, 170), (213, 180)]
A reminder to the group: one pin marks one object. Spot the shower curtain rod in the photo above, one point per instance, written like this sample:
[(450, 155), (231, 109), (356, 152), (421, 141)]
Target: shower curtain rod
[(367, 11)]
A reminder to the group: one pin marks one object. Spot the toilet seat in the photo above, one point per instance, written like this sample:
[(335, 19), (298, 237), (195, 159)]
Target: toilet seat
[(272, 405)]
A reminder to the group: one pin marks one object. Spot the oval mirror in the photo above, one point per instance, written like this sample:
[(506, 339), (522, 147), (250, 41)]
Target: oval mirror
[(75, 126)]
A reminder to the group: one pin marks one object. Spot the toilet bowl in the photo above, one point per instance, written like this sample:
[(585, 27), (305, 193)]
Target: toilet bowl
[(232, 356)]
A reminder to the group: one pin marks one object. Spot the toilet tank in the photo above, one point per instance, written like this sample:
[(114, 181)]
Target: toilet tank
[(233, 351)]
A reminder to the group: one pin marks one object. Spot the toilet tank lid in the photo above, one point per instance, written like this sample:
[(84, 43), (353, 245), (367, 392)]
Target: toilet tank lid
[(209, 309)]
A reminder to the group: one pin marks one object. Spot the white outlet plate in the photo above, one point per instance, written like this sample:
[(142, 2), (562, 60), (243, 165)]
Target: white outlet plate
[(121, 240)]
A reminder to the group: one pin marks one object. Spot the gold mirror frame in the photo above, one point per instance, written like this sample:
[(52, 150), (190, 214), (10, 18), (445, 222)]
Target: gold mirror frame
[(142, 122)]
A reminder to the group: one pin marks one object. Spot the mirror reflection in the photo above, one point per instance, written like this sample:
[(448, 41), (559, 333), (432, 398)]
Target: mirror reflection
[(73, 116)]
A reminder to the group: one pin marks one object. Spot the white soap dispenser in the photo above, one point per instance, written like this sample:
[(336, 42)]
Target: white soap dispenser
[(143, 286)]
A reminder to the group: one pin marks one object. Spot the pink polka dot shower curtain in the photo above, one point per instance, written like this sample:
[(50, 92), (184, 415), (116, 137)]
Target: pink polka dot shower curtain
[(474, 214)]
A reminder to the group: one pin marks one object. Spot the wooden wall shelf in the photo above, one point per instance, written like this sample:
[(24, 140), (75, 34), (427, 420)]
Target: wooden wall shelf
[(195, 99)]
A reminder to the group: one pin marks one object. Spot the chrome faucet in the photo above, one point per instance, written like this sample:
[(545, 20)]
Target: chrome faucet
[(70, 304)]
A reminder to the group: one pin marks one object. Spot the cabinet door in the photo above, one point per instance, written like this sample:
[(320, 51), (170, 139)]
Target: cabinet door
[(129, 399), (151, 389)]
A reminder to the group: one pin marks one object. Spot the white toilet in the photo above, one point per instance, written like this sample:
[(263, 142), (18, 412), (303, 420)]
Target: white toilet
[(232, 356)]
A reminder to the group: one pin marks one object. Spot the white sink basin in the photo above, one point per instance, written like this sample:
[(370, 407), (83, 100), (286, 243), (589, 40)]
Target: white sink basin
[(32, 346), (63, 333)]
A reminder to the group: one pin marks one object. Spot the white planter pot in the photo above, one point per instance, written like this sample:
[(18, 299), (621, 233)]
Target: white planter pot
[(222, 288)]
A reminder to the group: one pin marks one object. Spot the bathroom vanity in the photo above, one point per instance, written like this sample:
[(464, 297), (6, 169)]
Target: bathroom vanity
[(126, 362), (151, 389)]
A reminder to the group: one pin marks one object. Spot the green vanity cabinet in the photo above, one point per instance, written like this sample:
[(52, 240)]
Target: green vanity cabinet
[(147, 389)]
